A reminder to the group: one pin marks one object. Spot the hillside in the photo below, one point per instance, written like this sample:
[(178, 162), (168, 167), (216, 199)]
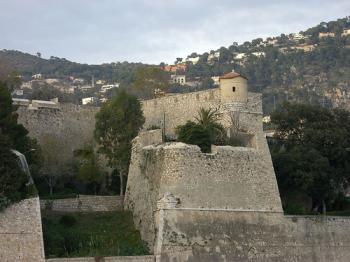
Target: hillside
[(55, 67), (311, 66)]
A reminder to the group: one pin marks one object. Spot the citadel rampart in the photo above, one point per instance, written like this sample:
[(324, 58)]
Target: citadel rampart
[(171, 111), (21, 237), (59, 130), (222, 206)]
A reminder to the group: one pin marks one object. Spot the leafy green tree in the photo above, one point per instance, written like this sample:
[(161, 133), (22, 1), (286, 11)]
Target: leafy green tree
[(117, 123), (12, 178), (313, 151), (149, 80), (89, 168), (12, 136)]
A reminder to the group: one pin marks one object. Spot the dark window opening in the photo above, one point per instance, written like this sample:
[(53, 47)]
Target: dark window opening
[(233, 89)]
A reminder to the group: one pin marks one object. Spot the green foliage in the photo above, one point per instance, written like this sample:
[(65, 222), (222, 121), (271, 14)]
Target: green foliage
[(68, 220), (89, 169), (12, 136), (192, 133), (208, 119), (56, 67), (91, 234), (148, 80), (117, 123), (312, 152), (205, 132), (12, 178)]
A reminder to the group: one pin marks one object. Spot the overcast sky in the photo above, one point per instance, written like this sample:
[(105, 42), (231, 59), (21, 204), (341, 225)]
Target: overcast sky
[(151, 31)]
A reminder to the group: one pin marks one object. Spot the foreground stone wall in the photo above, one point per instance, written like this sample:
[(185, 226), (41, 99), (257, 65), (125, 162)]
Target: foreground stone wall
[(21, 237), (141, 193), (105, 259), (59, 131), (229, 178), (84, 204), (224, 235)]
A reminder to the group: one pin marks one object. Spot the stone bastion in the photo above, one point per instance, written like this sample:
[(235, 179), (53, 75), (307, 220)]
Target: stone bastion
[(222, 206)]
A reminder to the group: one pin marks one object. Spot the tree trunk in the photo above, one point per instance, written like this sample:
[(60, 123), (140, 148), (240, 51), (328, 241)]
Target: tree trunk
[(51, 189), (121, 184), (51, 186), (324, 210)]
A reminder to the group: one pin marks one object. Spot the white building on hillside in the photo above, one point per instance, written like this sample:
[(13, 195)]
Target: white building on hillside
[(193, 60), (346, 32), (178, 79), (37, 76), (89, 100), (104, 88), (216, 80), (240, 56), (258, 54)]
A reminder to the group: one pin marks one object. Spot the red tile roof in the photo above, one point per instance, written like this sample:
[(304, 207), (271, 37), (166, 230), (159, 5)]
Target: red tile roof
[(231, 75)]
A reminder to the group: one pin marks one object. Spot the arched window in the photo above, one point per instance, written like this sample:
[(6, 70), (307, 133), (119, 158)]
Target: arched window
[(233, 89)]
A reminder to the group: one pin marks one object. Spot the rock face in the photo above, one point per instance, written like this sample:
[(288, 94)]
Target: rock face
[(222, 206), (21, 237)]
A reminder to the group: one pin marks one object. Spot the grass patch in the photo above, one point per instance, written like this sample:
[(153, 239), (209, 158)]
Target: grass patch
[(91, 234)]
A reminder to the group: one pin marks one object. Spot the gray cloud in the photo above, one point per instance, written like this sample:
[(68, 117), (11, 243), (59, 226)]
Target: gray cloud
[(151, 31)]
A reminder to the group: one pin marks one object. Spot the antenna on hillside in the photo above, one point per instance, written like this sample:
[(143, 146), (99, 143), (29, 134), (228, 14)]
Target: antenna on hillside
[(93, 81)]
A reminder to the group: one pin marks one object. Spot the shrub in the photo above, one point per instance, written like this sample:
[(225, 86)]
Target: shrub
[(195, 134)]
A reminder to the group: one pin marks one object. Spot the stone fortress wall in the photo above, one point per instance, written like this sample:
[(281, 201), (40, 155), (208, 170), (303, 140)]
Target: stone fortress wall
[(59, 130), (21, 236), (222, 206), (84, 203)]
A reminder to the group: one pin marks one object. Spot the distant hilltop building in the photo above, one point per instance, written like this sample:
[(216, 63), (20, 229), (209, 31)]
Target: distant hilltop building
[(326, 34), (213, 56), (175, 68), (193, 60), (178, 79), (36, 104), (105, 88), (297, 36), (37, 76), (346, 32), (89, 100)]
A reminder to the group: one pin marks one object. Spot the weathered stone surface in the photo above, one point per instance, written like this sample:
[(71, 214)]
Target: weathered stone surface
[(61, 130), (223, 206), (21, 236), (105, 259), (219, 235), (171, 111), (84, 203)]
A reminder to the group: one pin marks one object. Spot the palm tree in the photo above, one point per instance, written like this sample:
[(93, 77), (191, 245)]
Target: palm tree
[(208, 120)]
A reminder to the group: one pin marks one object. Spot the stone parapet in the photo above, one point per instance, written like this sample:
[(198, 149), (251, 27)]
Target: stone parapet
[(21, 237), (84, 203)]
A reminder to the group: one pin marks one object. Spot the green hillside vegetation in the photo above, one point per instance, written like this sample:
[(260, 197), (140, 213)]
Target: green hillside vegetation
[(277, 67), (91, 235), (55, 67), (320, 76)]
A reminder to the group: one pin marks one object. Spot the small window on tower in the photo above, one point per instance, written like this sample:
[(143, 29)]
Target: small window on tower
[(233, 89)]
